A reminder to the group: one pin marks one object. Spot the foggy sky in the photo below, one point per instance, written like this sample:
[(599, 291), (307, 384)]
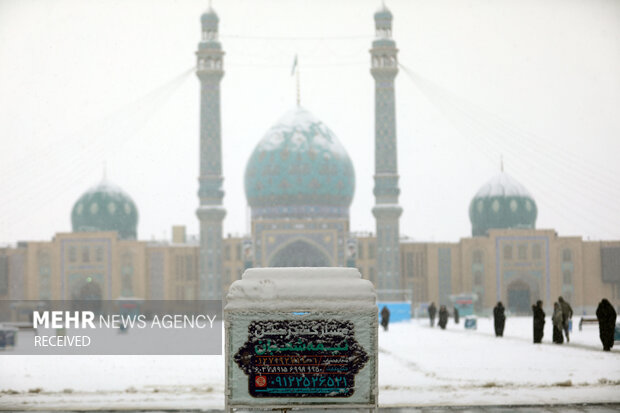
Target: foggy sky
[(86, 82)]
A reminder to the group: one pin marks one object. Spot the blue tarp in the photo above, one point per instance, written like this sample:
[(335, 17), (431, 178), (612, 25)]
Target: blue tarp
[(399, 311)]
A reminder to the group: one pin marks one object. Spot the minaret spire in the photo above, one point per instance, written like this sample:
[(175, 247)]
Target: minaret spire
[(298, 88), (384, 68), (211, 213), (295, 71)]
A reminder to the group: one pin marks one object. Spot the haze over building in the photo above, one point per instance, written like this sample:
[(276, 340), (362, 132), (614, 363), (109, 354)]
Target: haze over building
[(299, 184)]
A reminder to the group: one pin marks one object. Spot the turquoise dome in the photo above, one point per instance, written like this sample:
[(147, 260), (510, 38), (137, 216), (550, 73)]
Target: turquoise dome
[(299, 166), (383, 14), (209, 17), (502, 203), (105, 207)]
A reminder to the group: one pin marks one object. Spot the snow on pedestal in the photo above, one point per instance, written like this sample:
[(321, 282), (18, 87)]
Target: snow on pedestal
[(299, 337)]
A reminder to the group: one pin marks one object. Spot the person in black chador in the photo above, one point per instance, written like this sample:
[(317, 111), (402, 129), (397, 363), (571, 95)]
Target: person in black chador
[(606, 323), (567, 314), (443, 317), (499, 318), (432, 310), (558, 323), (385, 317), (456, 315), (539, 321)]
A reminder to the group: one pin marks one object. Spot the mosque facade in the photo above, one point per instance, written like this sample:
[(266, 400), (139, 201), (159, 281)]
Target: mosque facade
[(299, 184)]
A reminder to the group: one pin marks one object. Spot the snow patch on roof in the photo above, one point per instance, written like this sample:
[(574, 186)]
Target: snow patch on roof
[(503, 184), (108, 187), (301, 122)]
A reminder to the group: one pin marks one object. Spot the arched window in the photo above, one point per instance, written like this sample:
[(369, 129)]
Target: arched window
[(478, 278), (45, 287), (127, 274), (536, 252), (567, 255), (522, 251), (85, 254), (567, 277), (477, 257), (507, 252)]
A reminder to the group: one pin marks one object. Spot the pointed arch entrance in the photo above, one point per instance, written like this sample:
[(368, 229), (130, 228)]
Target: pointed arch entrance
[(519, 297), (299, 253)]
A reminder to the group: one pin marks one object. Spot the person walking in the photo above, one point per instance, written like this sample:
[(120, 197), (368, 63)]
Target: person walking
[(558, 323), (539, 321), (385, 318), (456, 315), (443, 317), (567, 314), (499, 319), (432, 310), (606, 323)]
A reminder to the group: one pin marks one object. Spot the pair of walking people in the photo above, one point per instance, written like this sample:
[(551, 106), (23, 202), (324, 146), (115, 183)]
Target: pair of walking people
[(562, 313), (443, 315)]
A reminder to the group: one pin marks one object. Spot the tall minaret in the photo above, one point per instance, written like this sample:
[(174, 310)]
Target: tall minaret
[(210, 212), (384, 67)]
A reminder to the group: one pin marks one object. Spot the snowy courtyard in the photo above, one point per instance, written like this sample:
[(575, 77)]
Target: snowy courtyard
[(418, 366)]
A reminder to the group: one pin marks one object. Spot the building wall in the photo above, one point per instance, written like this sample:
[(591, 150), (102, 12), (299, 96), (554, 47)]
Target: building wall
[(550, 265), (326, 235), (366, 257), (233, 261), (414, 270)]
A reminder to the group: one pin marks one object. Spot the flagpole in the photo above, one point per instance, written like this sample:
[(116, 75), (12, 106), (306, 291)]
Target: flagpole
[(298, 89), (295, 71)]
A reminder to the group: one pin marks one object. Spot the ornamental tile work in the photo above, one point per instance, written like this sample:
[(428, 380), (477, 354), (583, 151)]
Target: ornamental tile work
[(502, 203), (301, 165), (299, 182), (386, 211), (210, 212), (322, 237), (105, 207)]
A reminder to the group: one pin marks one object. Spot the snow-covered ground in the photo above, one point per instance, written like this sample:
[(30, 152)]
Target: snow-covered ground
[(418, 365)]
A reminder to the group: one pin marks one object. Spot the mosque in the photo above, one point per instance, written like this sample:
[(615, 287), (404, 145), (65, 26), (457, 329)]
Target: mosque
[(299, 184)]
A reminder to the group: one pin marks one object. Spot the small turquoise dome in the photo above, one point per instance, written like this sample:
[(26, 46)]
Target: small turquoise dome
[(209, 17), (502, 203), (383, 13), (299, 165), (105, 207)]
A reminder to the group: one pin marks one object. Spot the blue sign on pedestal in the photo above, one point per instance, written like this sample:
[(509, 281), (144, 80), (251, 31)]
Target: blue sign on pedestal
[(471, 323)]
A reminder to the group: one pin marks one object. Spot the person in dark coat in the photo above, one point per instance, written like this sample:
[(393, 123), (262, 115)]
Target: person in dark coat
[(499, 318), (456, 315), (385, 317), (443, 317), (606, 323), (539, 321), (432, 310), (567, 314), (558, 324)]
